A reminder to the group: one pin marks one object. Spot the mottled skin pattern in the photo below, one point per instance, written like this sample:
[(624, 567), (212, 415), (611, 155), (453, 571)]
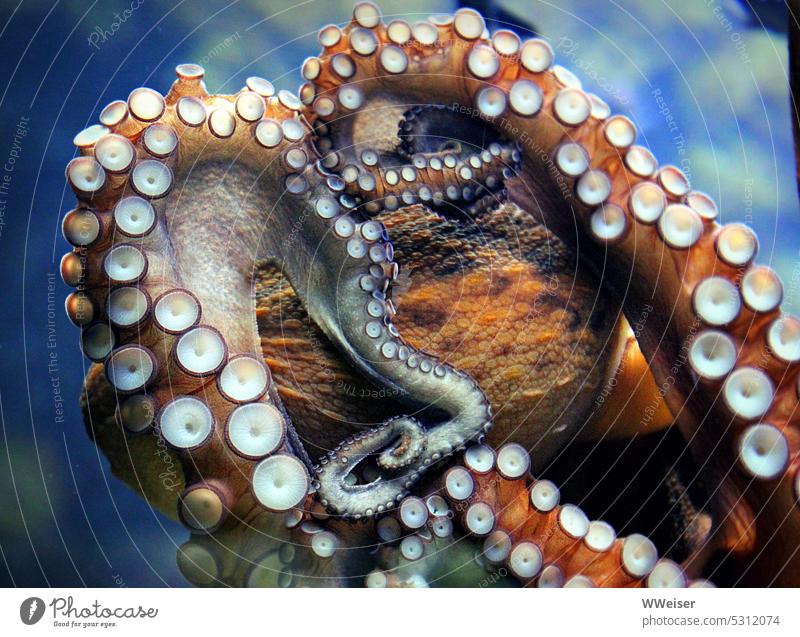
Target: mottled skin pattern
[(464, 305), (498, 298), (182, 218)]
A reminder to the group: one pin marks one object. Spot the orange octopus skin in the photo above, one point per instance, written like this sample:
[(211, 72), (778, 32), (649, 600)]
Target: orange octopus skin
[(723, 356), (492, 311), (324, 396)]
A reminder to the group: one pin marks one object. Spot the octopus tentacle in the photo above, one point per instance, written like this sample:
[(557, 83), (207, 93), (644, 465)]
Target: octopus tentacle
[(429, 137), (541, 541), (269, 550), (181, 357), (454, 174), (518, 526), (338, 483), (431, 180), (421, 547), (718, 329), (435, 156), (344, 289)]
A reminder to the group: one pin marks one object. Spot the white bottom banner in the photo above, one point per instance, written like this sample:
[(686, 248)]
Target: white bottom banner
[(388, 613)]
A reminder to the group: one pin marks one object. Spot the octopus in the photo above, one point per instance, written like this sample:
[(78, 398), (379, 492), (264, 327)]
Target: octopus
[(348, 409)]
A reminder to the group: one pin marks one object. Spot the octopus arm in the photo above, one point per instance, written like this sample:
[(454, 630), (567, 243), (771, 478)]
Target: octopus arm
[(169, 222)]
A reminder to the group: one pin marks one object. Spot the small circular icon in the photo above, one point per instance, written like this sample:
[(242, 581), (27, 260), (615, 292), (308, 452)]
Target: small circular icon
[(31, 610)]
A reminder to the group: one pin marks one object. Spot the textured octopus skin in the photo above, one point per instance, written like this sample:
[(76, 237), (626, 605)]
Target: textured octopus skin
[(505, 298), (720, 349)]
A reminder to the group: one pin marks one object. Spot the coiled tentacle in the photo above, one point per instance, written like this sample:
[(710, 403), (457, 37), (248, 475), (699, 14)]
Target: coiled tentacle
[(343, 286)]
